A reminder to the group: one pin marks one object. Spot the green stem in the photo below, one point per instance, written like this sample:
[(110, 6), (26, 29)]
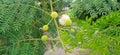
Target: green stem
[(59, 34), (49, 21), (51, 5)]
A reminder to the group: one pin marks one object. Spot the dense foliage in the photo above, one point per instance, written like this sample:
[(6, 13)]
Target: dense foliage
[(102, 37), (21, 20), (94, 8)]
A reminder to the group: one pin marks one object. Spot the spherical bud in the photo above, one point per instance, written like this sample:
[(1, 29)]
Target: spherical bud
[(45, 28), (68, 22), (72, 30), (65, 20), (44, 38), (54, 14), (51, 50)]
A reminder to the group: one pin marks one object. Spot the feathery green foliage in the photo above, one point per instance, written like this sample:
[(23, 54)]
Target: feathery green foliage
[(20, 22), (102, 37), (94, 8)]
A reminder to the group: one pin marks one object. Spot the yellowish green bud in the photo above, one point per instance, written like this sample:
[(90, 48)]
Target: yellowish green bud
[(45, 28), (54, 14), (44, 38)]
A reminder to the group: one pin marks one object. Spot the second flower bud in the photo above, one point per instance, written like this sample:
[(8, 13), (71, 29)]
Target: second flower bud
[(45, 28)]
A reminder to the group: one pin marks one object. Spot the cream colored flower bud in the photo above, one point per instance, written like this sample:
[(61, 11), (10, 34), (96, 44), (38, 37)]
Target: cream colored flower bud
[(65, 20)]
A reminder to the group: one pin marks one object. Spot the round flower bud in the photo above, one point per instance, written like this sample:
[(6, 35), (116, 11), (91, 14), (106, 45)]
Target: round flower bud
[(65, 20), (54, 14), (51, 50), (68, 22), (72, 30), (44, 38), (45, 28)]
